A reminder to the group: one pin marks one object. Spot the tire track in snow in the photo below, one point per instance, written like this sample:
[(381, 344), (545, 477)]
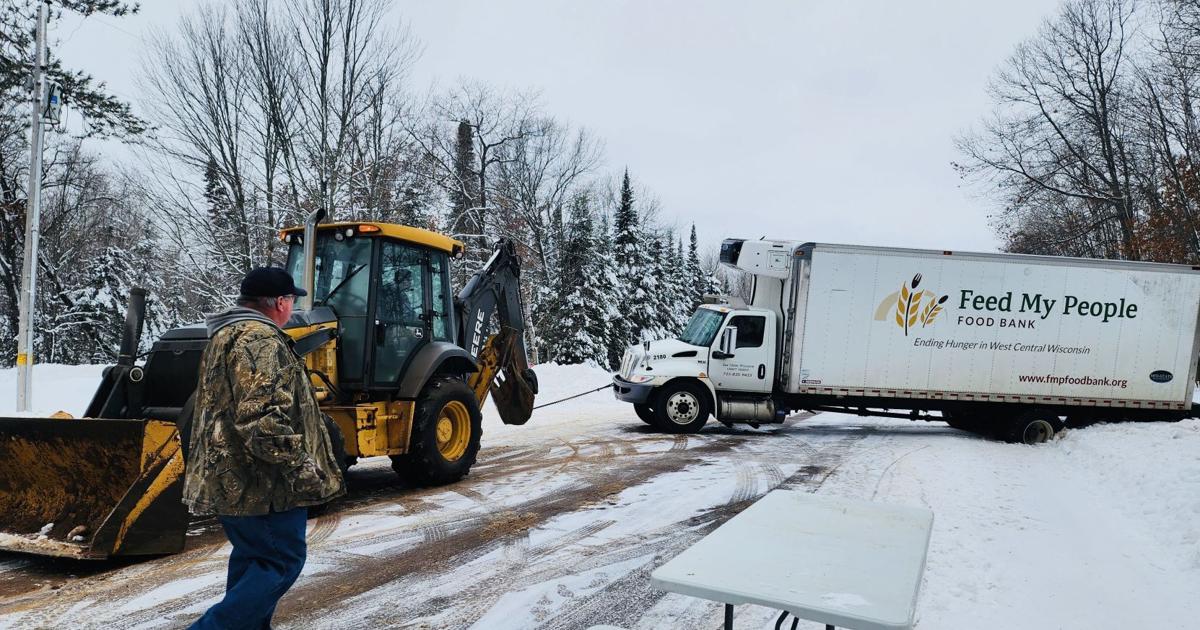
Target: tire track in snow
[(600, 466), (482, 535)]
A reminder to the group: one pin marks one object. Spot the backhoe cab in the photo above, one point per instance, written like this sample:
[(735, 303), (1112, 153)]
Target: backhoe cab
[(401, 367)]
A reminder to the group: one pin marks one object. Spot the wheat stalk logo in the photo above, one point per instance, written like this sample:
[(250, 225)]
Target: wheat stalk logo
[(908, 304), (931, 310), (909, 307)]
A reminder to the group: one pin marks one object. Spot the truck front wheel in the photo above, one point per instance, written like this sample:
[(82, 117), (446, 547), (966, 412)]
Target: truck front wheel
[(645, 413), (681, 407)]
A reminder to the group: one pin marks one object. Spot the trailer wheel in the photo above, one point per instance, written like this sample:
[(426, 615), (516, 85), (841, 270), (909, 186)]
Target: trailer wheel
[(445, 434), (1034, 428), (645, 413), (681, 407)]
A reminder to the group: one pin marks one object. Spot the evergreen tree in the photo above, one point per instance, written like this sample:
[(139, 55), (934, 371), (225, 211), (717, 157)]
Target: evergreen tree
[(636, 282), (661, 298), (682, 282), (698, 281), (216, 196), (671, 305), (581, 314), (88, 323), (106, 115), (618, 330), (465, 216)]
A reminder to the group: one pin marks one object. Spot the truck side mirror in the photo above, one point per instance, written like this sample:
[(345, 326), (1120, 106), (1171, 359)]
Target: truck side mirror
[(728, 340)]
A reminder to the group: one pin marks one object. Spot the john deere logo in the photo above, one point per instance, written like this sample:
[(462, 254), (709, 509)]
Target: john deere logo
[(909, 307)]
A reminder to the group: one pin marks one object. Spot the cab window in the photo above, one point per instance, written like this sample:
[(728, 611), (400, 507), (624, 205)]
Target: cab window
[(443, 304), (749, 330), (342, 281)]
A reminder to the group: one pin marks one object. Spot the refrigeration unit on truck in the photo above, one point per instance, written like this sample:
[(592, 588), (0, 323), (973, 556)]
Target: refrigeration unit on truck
[(1011, 345)]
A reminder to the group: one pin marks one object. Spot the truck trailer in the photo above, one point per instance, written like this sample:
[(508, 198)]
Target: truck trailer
[(1009, 345)]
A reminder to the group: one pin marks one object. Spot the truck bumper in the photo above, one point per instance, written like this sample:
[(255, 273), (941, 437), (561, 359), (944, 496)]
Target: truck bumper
[(636, 393)]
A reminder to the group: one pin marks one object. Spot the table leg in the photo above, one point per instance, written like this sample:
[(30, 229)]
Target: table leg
[(728, 616)]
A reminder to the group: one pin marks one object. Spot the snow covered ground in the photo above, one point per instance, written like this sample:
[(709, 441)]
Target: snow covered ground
[(563, 519)]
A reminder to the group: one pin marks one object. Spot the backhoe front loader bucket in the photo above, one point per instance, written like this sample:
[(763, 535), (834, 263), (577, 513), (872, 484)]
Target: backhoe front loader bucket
[(91, 488)]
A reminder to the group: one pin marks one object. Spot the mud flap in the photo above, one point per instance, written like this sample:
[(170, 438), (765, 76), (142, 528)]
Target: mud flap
[(91, 488)]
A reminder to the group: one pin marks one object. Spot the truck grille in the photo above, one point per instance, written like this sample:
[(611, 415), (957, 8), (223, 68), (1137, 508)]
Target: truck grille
[(628, 362)]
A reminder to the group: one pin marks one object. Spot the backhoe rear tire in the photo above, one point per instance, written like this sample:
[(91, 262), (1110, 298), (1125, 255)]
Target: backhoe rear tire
[(445, 434)]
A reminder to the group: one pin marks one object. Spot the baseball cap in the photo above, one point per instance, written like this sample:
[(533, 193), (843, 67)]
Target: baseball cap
[(269, 282)]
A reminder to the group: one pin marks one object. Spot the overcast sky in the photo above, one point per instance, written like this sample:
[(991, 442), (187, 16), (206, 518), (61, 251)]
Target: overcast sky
[(816, 121)]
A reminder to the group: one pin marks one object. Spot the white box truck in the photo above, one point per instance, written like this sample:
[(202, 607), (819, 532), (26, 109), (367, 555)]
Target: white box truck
[(1011, 345)]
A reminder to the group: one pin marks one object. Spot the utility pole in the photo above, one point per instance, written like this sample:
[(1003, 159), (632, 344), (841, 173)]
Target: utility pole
[(32, 222)]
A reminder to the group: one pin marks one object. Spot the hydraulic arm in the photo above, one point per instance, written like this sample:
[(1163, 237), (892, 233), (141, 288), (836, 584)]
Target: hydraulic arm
[(494, 293)]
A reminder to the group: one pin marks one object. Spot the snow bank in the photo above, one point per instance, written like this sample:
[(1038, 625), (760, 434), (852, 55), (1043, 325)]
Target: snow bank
[(1096, 529), (557, 382), (1152, 472), (66, 388), (70, 388)]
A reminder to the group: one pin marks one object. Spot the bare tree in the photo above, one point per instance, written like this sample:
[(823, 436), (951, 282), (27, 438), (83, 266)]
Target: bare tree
[(201, 79), (472, 122), (541, 173), (268, 114), (345, 63), (1062, 146)]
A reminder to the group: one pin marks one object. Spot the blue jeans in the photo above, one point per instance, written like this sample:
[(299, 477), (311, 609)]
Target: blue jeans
[(268, 554)]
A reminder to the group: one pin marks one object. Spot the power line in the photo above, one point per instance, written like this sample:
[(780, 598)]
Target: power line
[(114, 27)]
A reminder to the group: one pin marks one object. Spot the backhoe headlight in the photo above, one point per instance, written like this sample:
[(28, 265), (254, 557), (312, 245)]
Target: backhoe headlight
[(639, 378)]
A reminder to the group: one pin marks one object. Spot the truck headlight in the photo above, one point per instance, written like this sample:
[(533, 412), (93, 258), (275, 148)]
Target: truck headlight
[(639, 378)]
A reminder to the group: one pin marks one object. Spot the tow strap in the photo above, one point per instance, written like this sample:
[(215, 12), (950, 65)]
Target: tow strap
[(590, 391)]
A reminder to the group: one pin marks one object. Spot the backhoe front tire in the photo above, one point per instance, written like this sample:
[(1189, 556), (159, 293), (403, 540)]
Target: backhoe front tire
[(446, 429), (338, 442)]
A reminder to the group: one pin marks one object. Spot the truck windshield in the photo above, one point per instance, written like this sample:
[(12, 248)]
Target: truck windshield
[(702, 327)]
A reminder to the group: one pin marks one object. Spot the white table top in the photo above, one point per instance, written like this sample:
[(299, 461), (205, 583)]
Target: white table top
[(853, 564)]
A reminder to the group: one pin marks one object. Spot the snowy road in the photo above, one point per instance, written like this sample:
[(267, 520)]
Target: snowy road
[(562, 520)]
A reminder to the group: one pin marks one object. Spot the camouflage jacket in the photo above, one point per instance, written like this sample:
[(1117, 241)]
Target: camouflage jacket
[(258, 440)]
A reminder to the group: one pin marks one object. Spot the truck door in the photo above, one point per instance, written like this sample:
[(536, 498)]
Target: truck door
[(749, 366)]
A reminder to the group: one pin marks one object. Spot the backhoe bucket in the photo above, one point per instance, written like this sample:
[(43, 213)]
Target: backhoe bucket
[(91, 488), (513, 390)]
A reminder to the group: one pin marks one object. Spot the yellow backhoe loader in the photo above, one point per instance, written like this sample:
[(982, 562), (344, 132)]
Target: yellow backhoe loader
[(401, 367)]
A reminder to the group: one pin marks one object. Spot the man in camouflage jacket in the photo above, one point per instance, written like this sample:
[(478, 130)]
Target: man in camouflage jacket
[(259, 453)]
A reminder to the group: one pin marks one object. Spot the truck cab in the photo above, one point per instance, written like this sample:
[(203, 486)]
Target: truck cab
[(724, 364)]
